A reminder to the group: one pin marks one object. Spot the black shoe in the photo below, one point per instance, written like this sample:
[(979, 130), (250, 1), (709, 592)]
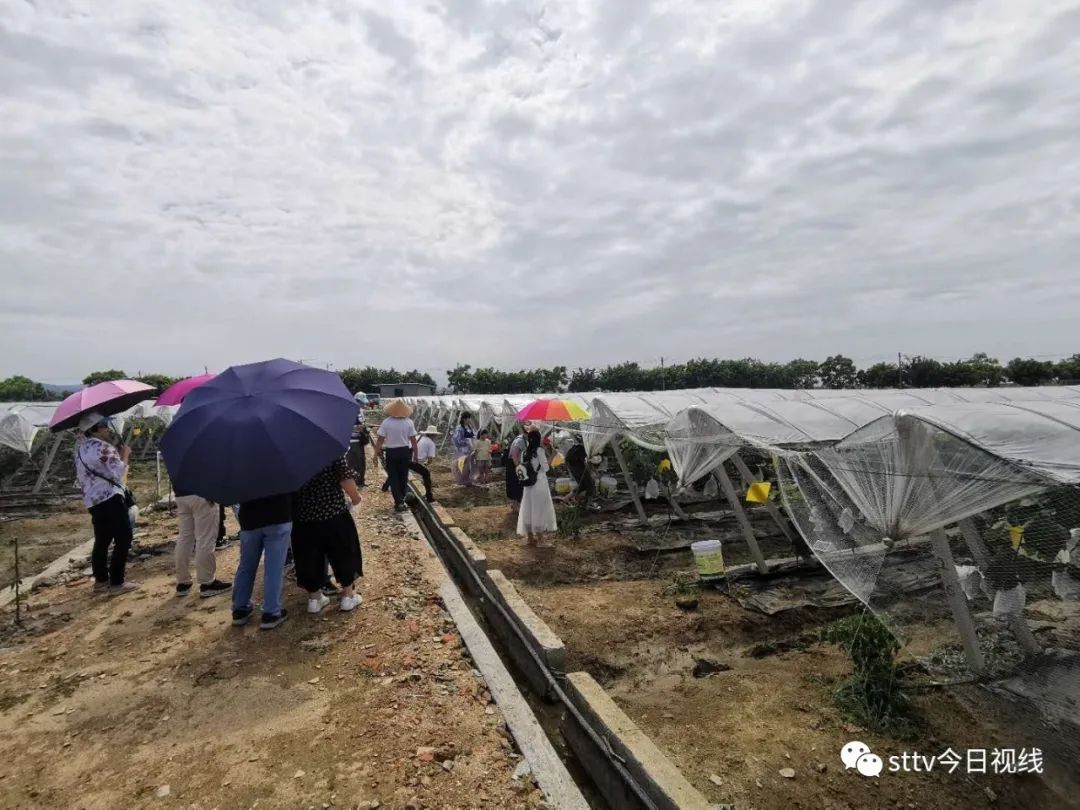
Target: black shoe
[(222, 543), (240, 617), (183, 589), (272, 620), (330, 590), (400, 507), (214, 588)]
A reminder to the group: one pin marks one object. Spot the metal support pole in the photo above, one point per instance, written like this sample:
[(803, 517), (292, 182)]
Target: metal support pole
[(629, 481), (1017, 624), (722, 478), (770, 507), (957, 601), (157, 472), (47, 465)]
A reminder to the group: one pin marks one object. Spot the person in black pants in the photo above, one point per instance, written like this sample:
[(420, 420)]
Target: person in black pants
[(419, 469), (397, 434), (357, 455), (100, 468)]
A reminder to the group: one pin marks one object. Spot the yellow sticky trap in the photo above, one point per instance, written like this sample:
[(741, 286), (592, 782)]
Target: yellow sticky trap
[(758, 492), (664, 465), (1016, 534), (461, 464), (136, 431), (557, 460)]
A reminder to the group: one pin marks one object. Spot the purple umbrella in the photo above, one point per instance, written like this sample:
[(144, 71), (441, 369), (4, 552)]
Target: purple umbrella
[(175, 393), (258, 430), (107, 398)]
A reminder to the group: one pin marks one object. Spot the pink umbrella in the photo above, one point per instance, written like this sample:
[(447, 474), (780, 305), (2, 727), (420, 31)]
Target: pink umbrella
[(175, 393), (107, 398)]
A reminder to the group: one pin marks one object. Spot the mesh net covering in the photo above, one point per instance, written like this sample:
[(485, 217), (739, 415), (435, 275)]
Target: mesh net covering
[(20, 423), (959, 526), (954, 515)]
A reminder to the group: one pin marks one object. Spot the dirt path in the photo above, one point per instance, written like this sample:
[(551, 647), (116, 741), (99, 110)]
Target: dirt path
[(150, 700)]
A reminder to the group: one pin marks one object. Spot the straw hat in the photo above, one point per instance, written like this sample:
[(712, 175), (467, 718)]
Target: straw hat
[(398, 408), (430, 430)]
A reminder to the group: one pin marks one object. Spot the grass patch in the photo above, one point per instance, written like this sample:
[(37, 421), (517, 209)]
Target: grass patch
[(873, 695)]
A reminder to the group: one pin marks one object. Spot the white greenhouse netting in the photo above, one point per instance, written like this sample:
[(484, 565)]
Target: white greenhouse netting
[(700, 439), (20, 423)]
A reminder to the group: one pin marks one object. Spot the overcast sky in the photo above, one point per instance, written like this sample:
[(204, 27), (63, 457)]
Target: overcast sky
[(521, 183)]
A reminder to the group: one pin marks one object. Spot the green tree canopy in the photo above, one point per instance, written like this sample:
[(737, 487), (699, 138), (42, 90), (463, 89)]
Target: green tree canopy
[(368, 379), (22, 389), (838, 372), (104, 376), (158, 381), (1030, 371)]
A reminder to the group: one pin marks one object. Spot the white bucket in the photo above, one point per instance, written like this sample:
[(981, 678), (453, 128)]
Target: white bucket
[(564, 486), (709, 558)]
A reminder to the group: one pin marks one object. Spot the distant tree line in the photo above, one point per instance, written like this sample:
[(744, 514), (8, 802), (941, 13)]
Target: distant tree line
[(837, 371), (369, 378), (22, 389)]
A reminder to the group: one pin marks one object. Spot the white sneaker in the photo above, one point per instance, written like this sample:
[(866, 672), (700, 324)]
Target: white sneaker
[(351, 602), (316, 603)]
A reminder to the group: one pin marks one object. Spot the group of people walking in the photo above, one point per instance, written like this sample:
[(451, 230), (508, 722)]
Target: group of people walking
[(314, 523)]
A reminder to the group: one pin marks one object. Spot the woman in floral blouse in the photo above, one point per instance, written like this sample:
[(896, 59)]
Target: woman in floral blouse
[(100, 468), (323, 529)]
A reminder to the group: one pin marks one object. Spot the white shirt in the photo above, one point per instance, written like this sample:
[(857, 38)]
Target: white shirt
[(425, 449), (397, 432)]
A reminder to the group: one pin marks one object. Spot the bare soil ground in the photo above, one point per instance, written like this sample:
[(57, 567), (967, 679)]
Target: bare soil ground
[(769, 708), (149, 700), (42, 539)]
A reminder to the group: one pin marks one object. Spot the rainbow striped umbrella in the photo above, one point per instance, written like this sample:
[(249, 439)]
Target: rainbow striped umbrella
[(552, 410)]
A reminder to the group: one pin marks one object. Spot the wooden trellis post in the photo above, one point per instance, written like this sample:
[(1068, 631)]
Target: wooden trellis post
[(631, 484), (49, 458), (957, 601), (770, 507), (724, 480)]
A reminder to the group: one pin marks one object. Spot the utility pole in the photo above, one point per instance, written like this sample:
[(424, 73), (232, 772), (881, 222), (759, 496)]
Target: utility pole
[(900, 369), (663, 380)]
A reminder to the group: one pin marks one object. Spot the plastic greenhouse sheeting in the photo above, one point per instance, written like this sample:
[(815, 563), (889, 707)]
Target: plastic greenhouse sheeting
[(700, 439), (20, 423), (913, 472)]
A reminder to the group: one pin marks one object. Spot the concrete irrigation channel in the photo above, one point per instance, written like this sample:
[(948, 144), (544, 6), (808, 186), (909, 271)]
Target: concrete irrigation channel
[(616, 764)]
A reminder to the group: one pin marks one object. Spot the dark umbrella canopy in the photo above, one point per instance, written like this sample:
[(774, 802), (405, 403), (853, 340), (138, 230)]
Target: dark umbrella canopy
[(258, 430)]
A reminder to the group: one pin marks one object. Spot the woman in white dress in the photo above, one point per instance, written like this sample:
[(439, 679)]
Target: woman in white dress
[(536, 516)]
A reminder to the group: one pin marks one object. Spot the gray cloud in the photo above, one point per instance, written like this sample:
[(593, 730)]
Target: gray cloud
[(420, 184)]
